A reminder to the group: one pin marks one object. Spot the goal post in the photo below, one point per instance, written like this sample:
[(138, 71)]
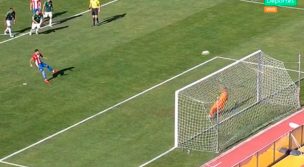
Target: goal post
[(259, 90)]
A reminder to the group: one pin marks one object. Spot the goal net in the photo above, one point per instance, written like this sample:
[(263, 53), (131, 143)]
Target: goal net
[(259, 90)]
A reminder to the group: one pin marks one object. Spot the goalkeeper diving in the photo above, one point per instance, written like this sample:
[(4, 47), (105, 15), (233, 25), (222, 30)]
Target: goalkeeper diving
[(219, 105)]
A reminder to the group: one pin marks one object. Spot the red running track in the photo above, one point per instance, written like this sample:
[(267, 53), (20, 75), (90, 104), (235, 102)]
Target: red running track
[(255, 143)]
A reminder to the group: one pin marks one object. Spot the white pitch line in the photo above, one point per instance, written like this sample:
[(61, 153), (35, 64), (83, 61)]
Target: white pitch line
[(288, 7), (26, 33), (21, 35), (157, 157), (12, 164), (108, 109), (213, 165)]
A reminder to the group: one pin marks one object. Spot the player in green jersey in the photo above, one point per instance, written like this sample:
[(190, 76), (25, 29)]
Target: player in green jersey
[(48, 10), (36, 22)]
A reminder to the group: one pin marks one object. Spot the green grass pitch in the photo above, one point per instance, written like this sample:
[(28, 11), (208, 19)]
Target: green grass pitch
[(146, 43)]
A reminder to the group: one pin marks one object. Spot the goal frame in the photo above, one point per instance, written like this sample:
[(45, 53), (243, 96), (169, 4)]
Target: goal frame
[(258, 53)]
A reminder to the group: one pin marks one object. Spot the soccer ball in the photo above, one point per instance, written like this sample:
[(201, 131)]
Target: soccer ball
[(205, 52)]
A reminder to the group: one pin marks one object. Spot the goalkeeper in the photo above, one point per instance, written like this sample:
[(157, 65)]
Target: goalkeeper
[(220, 103)]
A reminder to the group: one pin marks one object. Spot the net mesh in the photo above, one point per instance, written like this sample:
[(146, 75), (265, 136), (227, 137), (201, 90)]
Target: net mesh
[(259, 91)]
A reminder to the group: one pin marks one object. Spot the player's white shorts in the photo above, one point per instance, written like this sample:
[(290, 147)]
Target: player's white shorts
[(34, 25), (48, 14), (9, 23)]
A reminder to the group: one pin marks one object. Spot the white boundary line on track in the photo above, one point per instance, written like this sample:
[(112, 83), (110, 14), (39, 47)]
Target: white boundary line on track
[(12, 164), (159, 156), (106, 110), (26, 33), (288, 7)]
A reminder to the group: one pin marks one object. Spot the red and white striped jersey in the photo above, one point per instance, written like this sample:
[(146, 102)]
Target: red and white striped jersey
[(36, 4), (36, 58)]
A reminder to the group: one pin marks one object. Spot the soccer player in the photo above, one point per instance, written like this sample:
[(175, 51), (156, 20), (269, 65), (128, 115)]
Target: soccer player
[(48, 10), (35, 5), (37, 59), (10, 19), (36, 22), (220, 103), (95, 8)]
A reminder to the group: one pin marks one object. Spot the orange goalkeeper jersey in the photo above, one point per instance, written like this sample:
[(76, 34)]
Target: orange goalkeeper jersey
[(219, 104)]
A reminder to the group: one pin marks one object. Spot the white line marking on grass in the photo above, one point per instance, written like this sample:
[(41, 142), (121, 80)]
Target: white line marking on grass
[(26, 33), (159, 156), (18, 36), (12, 164), (288, 7), (101, 112), (108, 3), (214, 165)]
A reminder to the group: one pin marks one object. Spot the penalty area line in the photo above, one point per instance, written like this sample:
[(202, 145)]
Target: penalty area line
[(261, 3), (157, 157), (106, 110), (12, 164), (26, 33)]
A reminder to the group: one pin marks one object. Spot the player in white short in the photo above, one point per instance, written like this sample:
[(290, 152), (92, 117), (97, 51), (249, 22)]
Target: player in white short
[(10, 18), (48, 10), (36, 22)]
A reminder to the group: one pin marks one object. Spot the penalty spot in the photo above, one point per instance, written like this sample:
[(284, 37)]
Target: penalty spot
[(24, 83)]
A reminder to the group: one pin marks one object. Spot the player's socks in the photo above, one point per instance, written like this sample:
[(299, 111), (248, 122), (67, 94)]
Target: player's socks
[(46, 81), (97, 20), (30, 32), (10, 32), (50, 22), (5, 31), (43, 74)]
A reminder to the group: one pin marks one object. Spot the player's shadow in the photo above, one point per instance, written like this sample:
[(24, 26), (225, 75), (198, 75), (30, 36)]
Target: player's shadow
[(112, 18), (23, 30), (53, 30), (61, 72), (59, 13), (68, 18)]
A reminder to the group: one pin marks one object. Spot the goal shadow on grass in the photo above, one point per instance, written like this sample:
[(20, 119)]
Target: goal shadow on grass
[(112, 18), (61, 72)]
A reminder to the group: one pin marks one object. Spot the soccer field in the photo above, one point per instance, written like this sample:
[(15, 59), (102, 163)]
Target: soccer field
[(114, 105)]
